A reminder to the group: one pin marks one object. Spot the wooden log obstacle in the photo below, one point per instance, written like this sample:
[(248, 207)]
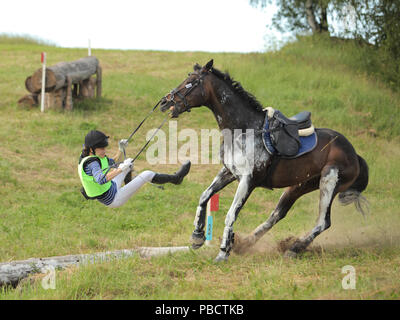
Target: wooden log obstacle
[(65, 81), (13, 272)]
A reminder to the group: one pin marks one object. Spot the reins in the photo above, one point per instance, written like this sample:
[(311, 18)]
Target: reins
[(137, 128), (145, 118), (145, 145), (143, 148), (189, 87), (148, 141), (115, 165)]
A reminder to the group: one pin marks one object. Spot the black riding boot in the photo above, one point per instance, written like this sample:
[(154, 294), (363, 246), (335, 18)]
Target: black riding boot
[(177, 178)]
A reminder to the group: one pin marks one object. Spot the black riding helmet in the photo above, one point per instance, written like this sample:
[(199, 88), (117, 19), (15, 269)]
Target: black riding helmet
[(96, 139)]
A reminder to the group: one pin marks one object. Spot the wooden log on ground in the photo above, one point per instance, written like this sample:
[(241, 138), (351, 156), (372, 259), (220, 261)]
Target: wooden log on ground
[(99, 81), (147, 252), (54, 100), (12, 272), (28, 85), (29, 100), (68, 100), (56, 75), (87, 88)]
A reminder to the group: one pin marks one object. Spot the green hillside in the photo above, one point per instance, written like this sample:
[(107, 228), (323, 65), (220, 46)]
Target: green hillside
[(43, 213)]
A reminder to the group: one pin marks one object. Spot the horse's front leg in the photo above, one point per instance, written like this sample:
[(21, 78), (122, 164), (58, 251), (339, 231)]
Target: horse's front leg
[(223, 178), (242, 194)]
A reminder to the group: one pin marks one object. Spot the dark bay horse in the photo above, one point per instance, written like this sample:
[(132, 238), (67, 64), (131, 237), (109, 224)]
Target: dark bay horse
[(333, 166)]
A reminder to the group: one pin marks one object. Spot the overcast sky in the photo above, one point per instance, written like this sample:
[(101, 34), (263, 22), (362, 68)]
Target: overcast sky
[(174, 25)]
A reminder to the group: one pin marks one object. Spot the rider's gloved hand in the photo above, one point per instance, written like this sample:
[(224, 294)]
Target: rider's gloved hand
[(122, 144), (128, 163)]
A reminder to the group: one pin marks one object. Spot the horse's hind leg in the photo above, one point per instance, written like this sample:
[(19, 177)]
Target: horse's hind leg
[(286, 201), (328, 190)]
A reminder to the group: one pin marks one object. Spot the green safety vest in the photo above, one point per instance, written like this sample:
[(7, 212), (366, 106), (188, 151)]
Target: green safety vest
[(92, 188)]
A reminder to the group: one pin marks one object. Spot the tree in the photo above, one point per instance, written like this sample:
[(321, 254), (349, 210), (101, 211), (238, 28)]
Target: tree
[(378, 23), (375, 22), (299, 15), (386, 19)]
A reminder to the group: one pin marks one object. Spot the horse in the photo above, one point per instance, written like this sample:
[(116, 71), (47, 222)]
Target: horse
[(333, 166)]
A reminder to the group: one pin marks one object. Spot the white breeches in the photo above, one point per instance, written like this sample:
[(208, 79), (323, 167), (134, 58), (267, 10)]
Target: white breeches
[(127, 191)]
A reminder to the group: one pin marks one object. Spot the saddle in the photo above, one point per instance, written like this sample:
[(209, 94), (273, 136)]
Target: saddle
[(286, 137)]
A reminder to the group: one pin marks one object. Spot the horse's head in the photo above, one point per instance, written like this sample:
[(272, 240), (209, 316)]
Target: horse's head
[(189, 94)]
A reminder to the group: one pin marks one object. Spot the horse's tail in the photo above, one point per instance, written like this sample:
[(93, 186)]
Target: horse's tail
[(353, 194)]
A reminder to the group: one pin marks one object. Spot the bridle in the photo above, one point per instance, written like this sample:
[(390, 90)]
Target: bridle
[(170, 97)]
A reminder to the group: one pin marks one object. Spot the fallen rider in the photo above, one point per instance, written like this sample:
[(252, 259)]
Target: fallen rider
[(102, 182)]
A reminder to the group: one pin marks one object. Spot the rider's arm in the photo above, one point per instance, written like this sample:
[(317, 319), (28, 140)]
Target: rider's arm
[(112, 174), (95, 170), (118, 156)]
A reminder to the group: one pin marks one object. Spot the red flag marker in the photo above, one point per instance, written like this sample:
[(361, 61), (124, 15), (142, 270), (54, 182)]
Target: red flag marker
[(214, 202)]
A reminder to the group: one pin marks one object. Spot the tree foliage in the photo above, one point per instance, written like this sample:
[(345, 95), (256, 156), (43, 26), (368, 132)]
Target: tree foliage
[(298, 15), (376, 22)]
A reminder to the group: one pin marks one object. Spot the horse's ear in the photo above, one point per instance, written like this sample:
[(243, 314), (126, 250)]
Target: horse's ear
[(208, 66), (197, 67)]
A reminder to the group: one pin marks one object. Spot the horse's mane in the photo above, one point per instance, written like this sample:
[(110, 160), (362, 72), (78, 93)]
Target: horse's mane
[(237, 88)]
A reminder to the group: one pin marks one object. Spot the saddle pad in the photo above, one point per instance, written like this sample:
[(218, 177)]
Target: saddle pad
[(307, 144)]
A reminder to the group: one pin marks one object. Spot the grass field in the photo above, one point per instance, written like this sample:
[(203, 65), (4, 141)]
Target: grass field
[(43, 213)]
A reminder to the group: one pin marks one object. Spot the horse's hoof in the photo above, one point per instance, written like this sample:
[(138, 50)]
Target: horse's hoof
[(196, 246), (197, 239), (290, 254), (221, 257)]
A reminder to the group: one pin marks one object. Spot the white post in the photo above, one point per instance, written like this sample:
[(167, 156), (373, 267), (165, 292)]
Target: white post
[(89, 49), (209, 224), (43, 58)]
